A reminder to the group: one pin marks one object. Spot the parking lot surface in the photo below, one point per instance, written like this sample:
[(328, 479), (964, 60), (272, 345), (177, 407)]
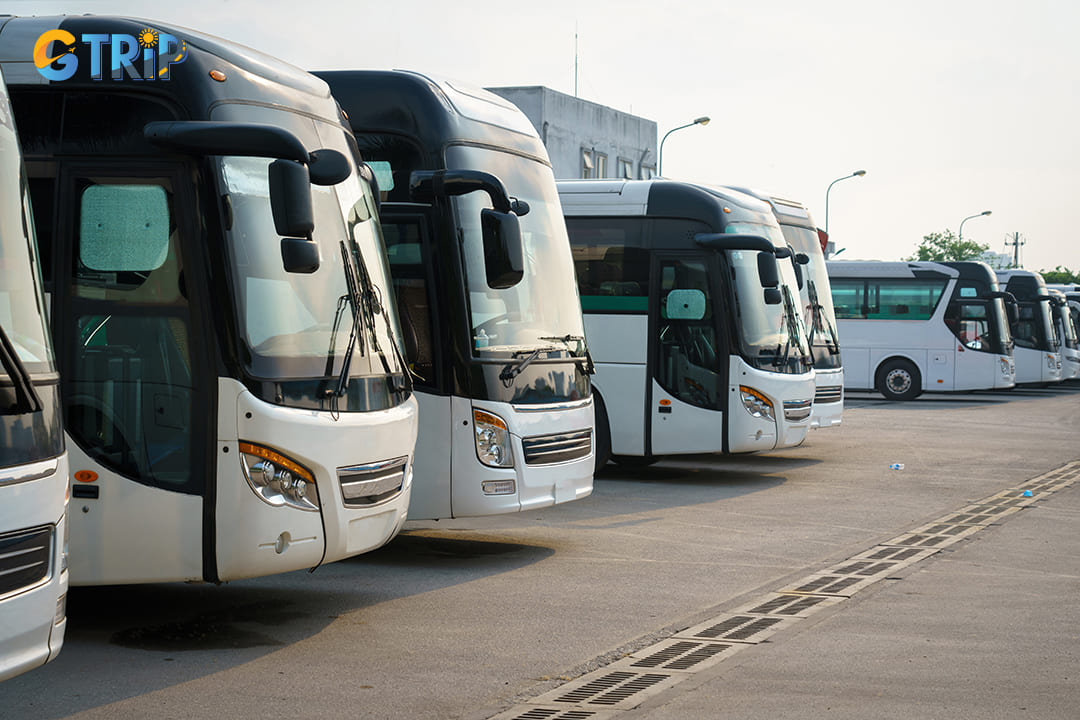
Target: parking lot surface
[(507, 616)]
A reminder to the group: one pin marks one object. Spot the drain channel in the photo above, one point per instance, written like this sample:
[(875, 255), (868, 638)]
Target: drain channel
[(625, 684)]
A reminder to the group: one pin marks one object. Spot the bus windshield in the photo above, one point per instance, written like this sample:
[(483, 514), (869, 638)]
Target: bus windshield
[(298, 325), (22, 309), (818, 312), (543, 307), (772, 336)]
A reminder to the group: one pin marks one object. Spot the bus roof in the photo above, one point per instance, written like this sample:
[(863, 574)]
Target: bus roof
[(659, 197), (788, 212), (1024, 284), (435, 111), (249, 75), (888, 269)]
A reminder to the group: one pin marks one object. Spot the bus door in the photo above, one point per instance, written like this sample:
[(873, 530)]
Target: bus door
[(689, 361), (137, 394), (407, 230), (969, 320)]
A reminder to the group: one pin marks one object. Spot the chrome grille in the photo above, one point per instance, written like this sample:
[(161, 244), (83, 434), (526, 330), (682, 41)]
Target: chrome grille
[(796, 410), (551, 449), (24, 559), (830, 394), (363, 485)]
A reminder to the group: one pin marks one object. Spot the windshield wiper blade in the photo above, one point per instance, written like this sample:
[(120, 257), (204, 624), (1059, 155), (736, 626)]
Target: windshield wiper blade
[(354, 305), (511, 371), (26, 399), (590, 367)]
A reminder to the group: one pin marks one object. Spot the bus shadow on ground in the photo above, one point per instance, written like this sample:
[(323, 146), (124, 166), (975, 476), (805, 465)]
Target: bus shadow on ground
[(128, 641)]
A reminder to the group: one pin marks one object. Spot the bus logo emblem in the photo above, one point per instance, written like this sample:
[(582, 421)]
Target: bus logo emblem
[(147, 56)]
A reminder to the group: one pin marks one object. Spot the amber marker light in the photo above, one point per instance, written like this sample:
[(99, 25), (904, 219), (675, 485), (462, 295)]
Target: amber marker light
[(217, 75)]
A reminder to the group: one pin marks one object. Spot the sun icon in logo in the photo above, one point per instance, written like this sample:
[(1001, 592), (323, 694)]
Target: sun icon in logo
[(148, 37)]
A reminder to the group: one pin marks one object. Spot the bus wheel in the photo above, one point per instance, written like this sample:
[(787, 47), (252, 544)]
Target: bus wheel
[(603, 433), (899, 380)]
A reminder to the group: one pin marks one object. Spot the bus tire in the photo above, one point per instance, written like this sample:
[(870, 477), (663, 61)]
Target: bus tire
[(899, 380), (603, 433)]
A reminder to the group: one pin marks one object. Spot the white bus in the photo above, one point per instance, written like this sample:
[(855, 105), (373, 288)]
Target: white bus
[(502, 372), (693, 324), (815, 297), (1068, 337), (33, 462), (914, 327), (1037, 353), (235, 401)]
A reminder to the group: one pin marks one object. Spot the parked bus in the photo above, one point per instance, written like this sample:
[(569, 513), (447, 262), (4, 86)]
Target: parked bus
[(33, 461), (234, 397), (914, 327), (815, 297), (693, 324), (1038, 359), (484, 279), (1064, 317)]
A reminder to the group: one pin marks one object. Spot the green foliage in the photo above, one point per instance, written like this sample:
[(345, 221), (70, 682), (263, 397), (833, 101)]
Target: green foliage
[(946, 246), (1060, 276)]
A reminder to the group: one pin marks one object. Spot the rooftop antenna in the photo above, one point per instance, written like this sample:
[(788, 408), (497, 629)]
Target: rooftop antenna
[(575, 59)]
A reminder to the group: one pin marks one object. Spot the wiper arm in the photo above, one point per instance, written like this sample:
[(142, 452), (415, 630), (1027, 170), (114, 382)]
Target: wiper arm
[(351, 297), (590, 367), (26, 399), (511, 371), (373, 306)]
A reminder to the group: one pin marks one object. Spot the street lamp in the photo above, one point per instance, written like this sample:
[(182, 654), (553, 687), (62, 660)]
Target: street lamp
[(704, 120), (857, 173), (961, 233)]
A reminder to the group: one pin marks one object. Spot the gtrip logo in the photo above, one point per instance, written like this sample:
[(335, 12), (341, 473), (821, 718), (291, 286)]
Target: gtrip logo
[(149, 56)]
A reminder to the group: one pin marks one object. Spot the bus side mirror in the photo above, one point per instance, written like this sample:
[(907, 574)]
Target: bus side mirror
[(768, 271), (299, 255), (294, 216), (773, 296), (1014, 313), (504, 254)]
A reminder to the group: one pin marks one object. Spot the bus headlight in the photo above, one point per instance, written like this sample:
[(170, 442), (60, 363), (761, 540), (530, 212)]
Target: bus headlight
[(756, 404), (1006, 368), (492, 440), (278, 479), (1050, 363)]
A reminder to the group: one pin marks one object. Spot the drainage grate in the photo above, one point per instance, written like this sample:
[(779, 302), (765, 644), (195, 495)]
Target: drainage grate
[(864, 568), (738, 628), (553, 713), (791, 605), (682, 655), (923, 538)]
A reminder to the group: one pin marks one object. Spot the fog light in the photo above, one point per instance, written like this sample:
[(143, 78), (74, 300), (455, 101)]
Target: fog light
[(498, 487)]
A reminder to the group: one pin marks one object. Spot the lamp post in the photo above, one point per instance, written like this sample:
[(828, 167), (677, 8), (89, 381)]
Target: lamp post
[(704, 120), (857, 173), (961, 233)]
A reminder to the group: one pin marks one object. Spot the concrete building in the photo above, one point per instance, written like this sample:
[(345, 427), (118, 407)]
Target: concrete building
[(585, 139)]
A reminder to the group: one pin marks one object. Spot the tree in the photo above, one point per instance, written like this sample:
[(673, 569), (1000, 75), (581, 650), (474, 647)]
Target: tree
[(1061, 276), (946, 246)]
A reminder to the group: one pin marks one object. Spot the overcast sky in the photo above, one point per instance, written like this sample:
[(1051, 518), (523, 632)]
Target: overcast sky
[(952, 107)]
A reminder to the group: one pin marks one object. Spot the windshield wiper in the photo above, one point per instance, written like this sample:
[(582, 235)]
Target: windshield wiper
[(26, 399), (373, 306), (583, 346), (511, 371), (349, 299)]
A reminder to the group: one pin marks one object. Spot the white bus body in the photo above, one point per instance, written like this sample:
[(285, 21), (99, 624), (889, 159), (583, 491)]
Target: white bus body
[(678, 369), (913, 327), (235, 400), (1067, 333), (1037, 352), (501, 364), (815, 297), (33, 463)]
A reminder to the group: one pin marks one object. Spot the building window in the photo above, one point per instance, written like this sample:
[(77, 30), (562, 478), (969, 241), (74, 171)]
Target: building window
[(601, 165), (648, 172), (587, 164), (624, 169)]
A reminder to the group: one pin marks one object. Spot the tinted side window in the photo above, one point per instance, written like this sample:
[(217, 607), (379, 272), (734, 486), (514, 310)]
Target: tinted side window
[(612, 263)]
